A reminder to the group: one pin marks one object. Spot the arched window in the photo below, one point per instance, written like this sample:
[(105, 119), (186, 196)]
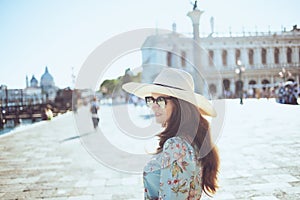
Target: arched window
[(212, 89), (289, 55), (252, 82), (211, 57), (276, 56), (252, 89), (239, 87), (226, 84), (265, 83), (183, 58), (237, 55), (250, 56), (224, 58), (169, 59), (226, 88), (264, 56)]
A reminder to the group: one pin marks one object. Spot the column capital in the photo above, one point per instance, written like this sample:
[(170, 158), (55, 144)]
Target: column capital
[(195, 16)]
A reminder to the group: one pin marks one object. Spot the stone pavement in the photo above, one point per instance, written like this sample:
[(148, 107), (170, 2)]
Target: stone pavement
[(259, 149), (260, 152), (48, 161)]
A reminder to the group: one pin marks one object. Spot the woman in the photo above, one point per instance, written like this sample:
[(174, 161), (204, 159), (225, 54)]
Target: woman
[(186, 162)]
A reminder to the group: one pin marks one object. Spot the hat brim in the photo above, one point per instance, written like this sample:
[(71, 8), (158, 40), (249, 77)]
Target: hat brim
[(143, 89)]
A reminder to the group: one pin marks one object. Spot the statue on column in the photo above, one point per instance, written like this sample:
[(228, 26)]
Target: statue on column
[(195, 5)]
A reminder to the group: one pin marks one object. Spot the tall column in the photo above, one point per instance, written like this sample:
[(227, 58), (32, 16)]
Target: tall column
[(272, 79), (199, 82), (205, 60), (295, 55), (231, 58), (259, 80), (219, 87), (244, 57), (257, 56), (232, 85), (283, 57), (245, 79), (218, 59), (270, 56)]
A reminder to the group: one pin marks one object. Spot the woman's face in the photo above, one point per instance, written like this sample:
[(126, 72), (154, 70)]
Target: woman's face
[(162, 115)]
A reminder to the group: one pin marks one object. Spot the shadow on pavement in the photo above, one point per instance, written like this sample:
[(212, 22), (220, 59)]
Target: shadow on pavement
[(76, 137)]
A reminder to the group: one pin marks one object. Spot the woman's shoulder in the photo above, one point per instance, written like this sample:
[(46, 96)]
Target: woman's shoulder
[(175, 139), (177, 142), (177, 148)]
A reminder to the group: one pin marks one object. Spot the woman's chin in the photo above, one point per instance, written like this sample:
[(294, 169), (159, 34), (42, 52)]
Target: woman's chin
[(158, 120)]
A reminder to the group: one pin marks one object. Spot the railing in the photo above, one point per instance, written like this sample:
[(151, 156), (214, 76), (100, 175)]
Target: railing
[(34, 112), (256, 67), (244, 34)]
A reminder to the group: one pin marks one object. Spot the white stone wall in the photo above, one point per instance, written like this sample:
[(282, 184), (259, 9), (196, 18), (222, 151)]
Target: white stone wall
[(257, 72)]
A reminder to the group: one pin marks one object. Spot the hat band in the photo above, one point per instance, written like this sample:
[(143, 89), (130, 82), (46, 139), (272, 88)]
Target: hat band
[(168, 86)]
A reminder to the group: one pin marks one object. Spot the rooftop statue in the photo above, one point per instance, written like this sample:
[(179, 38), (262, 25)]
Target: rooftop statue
[(195, 5)]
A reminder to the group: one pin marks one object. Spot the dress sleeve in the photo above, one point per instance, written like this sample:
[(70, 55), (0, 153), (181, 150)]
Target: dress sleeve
[(176, 171)]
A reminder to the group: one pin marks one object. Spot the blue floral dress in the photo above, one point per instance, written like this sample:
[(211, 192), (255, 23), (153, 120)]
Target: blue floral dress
[(173, 174)]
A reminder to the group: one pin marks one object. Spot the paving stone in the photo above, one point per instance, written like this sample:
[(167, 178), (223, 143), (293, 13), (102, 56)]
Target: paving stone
[(280, 177), (257, 161), (86, 197), (103, 196), (264, 198), (223, 195), (82, 183)]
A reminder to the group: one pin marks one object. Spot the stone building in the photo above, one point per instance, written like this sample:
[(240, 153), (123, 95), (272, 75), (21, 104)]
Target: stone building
[(47, 85), (255, 63), (43, 92)]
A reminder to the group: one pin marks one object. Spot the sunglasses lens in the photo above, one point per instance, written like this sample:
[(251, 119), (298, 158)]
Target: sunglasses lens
[(161, 102), (149, 101)]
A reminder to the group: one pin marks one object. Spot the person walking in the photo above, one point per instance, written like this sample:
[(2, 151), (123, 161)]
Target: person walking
[(186, 162), (94, 110)]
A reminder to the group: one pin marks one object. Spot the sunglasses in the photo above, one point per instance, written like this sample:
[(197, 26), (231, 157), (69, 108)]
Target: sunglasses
[(160, 101)]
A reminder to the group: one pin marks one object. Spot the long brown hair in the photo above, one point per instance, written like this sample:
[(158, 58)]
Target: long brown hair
[(187, 122)]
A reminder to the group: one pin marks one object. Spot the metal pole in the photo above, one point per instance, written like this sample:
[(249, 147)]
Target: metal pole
[(21, 97), (241, 87), (6, 95)]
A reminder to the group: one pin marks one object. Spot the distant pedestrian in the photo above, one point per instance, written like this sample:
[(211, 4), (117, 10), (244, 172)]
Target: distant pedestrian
[(94, 110), (186, 162), (47, 113)]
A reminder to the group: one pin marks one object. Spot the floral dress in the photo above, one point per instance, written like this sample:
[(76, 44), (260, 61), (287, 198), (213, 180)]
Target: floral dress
[(173, 174)]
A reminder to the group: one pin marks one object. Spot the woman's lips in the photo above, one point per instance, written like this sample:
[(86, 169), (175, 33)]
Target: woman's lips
[(157, 114)]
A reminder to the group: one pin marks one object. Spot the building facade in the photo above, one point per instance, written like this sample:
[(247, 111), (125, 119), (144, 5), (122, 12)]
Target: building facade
[(32, 94), (256, 64), (47, 85)]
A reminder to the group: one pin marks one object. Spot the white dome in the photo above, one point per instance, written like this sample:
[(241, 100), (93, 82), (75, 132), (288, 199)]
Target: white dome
[(33, 82), (47, 79)]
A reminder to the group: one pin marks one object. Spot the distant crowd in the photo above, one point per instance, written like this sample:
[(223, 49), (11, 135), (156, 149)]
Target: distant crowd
[(288, 94)]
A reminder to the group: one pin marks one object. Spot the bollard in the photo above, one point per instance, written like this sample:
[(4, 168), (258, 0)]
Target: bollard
[(1, 122)]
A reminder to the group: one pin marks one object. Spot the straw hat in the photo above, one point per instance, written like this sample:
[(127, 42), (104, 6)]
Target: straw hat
[(176, 83)]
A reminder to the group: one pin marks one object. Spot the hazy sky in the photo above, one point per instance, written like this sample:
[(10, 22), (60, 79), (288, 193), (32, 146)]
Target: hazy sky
[(61, 34)]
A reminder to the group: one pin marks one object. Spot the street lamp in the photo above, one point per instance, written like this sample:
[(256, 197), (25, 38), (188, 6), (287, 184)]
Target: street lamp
[(239, 70)]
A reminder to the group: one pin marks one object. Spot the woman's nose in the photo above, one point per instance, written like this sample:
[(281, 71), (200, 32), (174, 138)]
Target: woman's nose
[(155, 106)]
